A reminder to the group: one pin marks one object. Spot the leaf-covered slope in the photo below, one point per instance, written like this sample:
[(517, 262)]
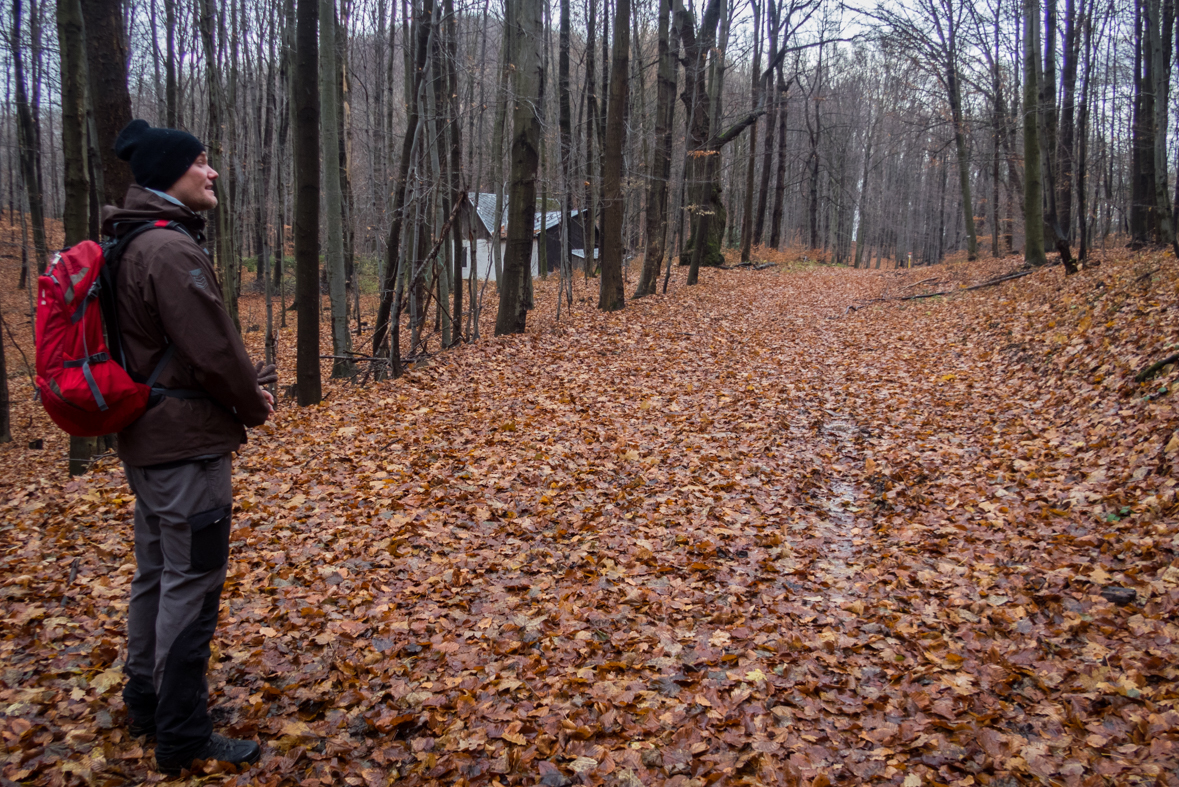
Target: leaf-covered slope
[(738, 532)]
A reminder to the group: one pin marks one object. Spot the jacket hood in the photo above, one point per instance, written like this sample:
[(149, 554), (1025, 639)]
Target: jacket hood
[(142, 205)]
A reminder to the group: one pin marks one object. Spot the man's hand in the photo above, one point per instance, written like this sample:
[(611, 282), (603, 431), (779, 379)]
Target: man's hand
[(268, 399), (267, 374)]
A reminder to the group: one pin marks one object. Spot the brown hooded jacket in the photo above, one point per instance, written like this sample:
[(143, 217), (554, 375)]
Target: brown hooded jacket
[(168, 292)]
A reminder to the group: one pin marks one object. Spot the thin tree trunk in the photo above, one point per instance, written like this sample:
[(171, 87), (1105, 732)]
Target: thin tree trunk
[(565, 128), (1033, 200), (780, 182), (29, 137), (862, 226), (388, 321), (170, 89), (333, 194), (1067, 153), (222, 240), (591, 124), (497, 141), (660, 159), (456, 176), (751, 166)]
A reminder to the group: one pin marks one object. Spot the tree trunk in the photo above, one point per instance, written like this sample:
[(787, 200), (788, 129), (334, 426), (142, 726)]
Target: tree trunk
[(702, 192), (456, 156), (525, 20), (591, 124), (861, 227), (763, 193), (1160, 26), (963, 159), (306, 220), (388, 322), (1142, 185), (29, 140), (610, 292), (76, 217), (1033, 216), (497, 140), (329, 81), (751, 166), (221, 225), (660, 159), (565, 130), (106, 56), (170, 92), (780, 181), (1066, 153)]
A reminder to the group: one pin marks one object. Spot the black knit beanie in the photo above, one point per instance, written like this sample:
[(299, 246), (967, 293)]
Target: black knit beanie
[(158, 156)]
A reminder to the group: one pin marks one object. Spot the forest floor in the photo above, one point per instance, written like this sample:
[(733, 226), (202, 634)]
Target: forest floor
[(739, 533)]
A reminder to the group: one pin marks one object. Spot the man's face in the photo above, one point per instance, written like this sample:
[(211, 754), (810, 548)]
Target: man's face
[(195, 187)]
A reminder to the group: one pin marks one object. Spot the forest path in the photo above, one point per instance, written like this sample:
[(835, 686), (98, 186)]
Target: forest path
[(737, 531)]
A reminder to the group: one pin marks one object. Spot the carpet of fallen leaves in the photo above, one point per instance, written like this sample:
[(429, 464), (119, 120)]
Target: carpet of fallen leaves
[(742, 533)]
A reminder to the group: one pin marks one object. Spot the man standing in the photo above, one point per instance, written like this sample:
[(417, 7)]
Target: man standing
[(177, 456)]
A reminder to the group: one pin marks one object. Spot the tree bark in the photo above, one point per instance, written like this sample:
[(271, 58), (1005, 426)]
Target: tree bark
[(526, 21), (71, 38), (565, 131), (610, 292), (763, 194), (306, 219), (751, 166), (780, 180), (106, 56), (221, 225), (1067, 153), (701, 193), (456, 176), (1161, 24), (387, 328), (29, 141), (660, 159), (329, 80), (1033, 216), (172, 117)]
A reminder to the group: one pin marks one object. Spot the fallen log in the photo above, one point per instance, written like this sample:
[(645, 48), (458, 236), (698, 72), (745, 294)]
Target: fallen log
[(1149, 371), (988, 283)]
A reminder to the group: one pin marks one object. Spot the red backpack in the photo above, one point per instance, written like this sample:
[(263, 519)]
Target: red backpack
[(82, 379)]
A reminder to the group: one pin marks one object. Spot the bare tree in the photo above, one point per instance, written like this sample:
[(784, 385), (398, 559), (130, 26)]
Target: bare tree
[(525, 18), (306, 229), (29, 137), (660, 158), (610, 293), (106, 58), (1033, 199), (329, 84)]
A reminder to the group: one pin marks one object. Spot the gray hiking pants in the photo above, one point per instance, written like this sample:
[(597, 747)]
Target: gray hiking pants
[(182, 522)]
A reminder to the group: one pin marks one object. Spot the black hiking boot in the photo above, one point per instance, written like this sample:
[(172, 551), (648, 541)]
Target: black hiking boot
[(142, 729), (220, 748)]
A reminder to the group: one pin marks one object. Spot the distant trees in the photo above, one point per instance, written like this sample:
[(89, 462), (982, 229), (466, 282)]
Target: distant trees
[(873, 144)]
